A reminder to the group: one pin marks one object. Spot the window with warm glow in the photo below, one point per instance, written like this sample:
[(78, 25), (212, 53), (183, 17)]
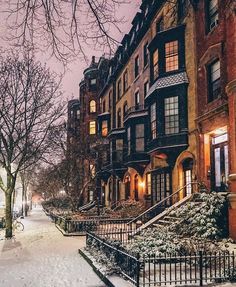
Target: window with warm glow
[(148, 183), (92, 106), (171, 56), (92, 128), (155, 59), (104, 128)]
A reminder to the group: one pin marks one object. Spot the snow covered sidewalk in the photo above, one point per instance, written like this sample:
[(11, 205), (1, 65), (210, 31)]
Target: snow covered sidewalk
[(41, 257)]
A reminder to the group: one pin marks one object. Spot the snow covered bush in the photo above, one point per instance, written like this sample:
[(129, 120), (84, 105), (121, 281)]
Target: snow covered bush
[(207, 220)]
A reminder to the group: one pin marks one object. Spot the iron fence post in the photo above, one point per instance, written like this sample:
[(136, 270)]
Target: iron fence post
[(138, 270), (201, 267)]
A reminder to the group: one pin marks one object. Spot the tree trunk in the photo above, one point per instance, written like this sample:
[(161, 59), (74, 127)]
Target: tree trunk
[(8, 199)]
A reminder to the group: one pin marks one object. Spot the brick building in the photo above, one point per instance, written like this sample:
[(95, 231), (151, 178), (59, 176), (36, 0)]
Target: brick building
[(165, 105)]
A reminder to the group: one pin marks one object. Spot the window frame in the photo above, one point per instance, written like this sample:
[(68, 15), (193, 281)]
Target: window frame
[(211, 96), (91, 111), (136, 66), (91, 128), (119, 118), (172, 119), (145, 55), (153, 121), (211, 18), (171, 56), (104, 128), (139, 138), (125, 81), (119, 91)]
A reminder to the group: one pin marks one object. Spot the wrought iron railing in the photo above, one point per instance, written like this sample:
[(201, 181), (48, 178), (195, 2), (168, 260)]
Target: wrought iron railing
[(160, 206), (136, 108)]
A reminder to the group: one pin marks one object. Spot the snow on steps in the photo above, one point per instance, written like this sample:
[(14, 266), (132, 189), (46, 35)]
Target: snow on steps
[(164, 213)]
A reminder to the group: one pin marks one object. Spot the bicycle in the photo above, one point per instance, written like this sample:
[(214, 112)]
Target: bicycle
[(17, 225)]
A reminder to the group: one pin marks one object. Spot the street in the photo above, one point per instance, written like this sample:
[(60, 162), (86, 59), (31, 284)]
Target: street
[(41, 256)]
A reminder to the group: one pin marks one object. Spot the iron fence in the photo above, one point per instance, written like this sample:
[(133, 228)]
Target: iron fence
[(129, 264), (199, 268)]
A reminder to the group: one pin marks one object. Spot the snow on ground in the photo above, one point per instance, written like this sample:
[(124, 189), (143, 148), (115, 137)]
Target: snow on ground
[(41, 257)]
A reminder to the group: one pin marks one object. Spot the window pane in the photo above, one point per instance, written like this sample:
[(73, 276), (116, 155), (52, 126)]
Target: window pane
[(139, 130), (92, 128), (171, 56), (92, 106), (104, 128), (155, 64), (171, 115)]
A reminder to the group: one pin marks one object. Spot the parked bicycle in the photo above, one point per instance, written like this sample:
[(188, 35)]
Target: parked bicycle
[(17, 225)]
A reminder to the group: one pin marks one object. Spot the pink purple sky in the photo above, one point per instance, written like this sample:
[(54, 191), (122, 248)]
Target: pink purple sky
[(74, 74)]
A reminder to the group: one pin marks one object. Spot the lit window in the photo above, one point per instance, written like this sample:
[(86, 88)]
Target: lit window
[(92, 128), (119, 89), (136, 66), (78, 114), (92, 106), (214, 81), (139, 137), (146, 88), (171, 115), (213, 16), (153, 117), (148, 184), (104, 128), (145, 54), (155, 59), (171, 56), (125, 81), (92, 170)]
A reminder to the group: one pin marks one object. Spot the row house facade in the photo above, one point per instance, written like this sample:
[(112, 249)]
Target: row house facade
[(165, 112)]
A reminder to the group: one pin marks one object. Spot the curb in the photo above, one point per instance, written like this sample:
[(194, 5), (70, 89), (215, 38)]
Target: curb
[(96, 270)]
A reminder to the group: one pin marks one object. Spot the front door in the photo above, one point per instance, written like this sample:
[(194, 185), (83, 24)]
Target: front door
[(161, 186), (219, 163)]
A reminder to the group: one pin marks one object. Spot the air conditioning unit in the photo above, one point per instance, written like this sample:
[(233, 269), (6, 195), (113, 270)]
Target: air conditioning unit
[(214, 24)]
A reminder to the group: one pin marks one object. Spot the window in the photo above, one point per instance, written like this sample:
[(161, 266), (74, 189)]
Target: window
[(78, 114), (93, 81), (145, 55), (160, 25), (171, 115), (104, 128), (146, 88), (119, 89), (182, 9), (171, 56), (92, 106), (148, 184), (109, 99), (119, 118), (125, 109), (153, 117), (139, 137), (129, 140), (92, 128), (104, 106), (136, 67), (212, 15), (92, 170), (119, 149), (155, 59), (137, 99), (214, 81), (125, 81)]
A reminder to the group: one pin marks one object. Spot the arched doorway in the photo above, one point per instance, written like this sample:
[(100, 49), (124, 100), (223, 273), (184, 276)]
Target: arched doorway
[(187, 172), (136, 187), (127, 187)]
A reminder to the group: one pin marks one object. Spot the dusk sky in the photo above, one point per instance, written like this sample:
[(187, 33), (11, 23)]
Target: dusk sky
[(72, 77)]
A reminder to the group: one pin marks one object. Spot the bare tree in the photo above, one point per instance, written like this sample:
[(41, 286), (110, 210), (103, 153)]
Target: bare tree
[(64, 27), (29, 107)]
